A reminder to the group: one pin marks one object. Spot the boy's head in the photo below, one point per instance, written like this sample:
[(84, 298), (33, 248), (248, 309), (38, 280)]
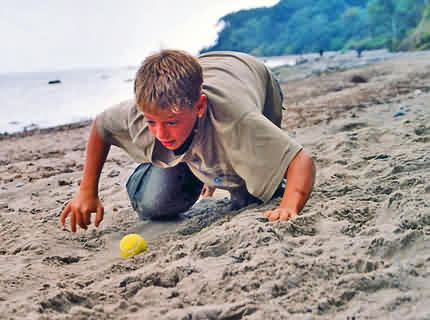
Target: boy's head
[(168, 80), (168, 91)]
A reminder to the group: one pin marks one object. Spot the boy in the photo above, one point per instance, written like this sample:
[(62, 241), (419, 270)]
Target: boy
[(197, 124)]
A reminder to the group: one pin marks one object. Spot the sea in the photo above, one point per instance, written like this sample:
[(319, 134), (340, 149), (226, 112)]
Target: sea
[(31, 100)]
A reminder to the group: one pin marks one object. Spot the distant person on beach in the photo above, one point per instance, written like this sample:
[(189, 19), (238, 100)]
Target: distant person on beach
[(197, 124)]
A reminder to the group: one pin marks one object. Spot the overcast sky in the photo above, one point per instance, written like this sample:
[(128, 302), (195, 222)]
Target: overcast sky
[(62, 34)]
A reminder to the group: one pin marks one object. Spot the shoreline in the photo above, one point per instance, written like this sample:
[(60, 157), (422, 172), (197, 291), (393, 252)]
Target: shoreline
[(47, 130), (305, 66)]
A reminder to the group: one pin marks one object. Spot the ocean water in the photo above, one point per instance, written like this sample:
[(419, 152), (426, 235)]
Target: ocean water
[(27, 100)]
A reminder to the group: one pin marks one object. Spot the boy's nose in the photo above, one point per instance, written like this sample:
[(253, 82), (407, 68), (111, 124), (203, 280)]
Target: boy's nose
[(162, 133)]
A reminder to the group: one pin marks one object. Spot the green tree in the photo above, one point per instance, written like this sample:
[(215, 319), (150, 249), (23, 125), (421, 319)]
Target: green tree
[(297, 26)]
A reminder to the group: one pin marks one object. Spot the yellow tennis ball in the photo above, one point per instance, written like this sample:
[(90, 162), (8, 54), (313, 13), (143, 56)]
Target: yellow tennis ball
[(132, 244)]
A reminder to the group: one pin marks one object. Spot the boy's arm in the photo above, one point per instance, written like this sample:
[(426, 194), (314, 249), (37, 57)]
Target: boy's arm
[(300, 177), (86, 200)]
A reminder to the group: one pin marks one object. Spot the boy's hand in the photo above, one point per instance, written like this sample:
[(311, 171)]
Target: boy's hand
[(80, 209), (282, 214), (300, 177)]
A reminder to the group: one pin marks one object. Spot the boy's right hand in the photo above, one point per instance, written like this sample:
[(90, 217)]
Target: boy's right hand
[(80, 209)]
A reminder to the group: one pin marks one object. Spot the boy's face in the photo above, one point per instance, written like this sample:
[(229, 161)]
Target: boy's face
[(173, 128)]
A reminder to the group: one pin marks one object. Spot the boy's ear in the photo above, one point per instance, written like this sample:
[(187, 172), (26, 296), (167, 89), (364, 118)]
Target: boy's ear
[(201, 105)]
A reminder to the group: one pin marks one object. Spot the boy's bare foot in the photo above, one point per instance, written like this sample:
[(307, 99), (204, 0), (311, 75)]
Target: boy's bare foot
[(207, 191)]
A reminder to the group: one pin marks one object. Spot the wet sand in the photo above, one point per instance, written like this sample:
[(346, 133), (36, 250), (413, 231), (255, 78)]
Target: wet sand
[(359, 250)]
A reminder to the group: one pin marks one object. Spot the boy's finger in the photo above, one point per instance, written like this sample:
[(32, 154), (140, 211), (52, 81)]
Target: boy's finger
[(86, 218), (99, 215), (64, 214), (80, 220), (285, 216), (274, 215), (73, 222)]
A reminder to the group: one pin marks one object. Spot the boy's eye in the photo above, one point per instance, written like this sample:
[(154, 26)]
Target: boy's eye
[(152, 123)]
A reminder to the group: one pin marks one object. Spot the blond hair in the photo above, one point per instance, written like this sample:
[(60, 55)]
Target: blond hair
[(168, 80)]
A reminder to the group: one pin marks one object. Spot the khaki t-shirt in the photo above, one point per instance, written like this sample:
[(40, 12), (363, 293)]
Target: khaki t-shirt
[(237, 142)]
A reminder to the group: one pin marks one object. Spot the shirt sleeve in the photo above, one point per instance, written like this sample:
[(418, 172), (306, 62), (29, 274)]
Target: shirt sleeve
[(260, 153), (112, 124)]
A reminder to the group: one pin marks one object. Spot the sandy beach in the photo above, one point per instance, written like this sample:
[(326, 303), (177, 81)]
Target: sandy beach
[(359, 250)]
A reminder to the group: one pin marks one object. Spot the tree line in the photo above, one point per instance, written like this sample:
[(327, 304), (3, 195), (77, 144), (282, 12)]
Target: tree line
[(299, 26)]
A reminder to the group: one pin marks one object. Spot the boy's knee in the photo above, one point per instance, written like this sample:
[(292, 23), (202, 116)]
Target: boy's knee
[(147, 210), (162, 193)]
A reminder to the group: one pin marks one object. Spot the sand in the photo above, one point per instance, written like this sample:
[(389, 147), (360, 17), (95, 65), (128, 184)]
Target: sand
[(359, 250)]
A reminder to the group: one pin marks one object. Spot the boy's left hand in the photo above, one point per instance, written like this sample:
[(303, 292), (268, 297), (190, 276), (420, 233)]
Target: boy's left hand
[(283, 214)]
